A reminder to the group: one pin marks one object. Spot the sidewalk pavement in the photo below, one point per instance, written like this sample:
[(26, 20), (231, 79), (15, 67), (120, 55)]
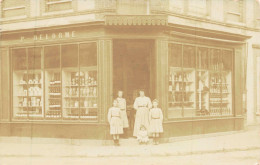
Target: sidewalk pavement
[(248, 139)]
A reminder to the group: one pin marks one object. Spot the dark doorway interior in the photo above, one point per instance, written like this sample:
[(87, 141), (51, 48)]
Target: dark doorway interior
[(133, 70)]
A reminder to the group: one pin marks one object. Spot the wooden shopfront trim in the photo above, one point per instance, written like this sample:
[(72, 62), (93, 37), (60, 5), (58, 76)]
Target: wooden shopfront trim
[(100, 67), (234, 46)]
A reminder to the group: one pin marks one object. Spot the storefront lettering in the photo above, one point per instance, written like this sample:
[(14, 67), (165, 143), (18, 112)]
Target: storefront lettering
[(51, 36)]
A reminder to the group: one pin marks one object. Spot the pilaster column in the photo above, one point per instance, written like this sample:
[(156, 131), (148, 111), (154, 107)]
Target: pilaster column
[(105, 77), (161, 75)]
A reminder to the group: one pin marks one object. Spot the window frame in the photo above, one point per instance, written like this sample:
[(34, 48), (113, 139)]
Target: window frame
[(209, 70), (44, 85), (4, 9)]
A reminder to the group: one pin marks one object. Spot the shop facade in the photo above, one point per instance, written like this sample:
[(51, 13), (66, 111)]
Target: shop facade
[(60, 81)]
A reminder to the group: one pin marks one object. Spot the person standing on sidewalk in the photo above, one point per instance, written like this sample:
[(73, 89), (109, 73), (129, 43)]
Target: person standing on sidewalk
[(122, 106), (114, 119), (142, 105), (156, 118)]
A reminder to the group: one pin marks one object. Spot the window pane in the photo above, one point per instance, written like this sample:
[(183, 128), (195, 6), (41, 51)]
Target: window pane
[(57, 5), (88, 81), (88, 54), (71, 81), (20, 80), (53, 94), (19, 59), (69, 55), (175, 95), (34, 58), (227, 60), (215, 59), (175, 55), (202, 58), (189, 56), (52, 57)]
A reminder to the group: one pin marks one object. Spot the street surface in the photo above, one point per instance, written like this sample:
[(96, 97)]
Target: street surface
[(249, 157)]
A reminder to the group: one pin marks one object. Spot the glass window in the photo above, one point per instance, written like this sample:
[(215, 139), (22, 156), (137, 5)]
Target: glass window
[(198, 7), (58, 5), (88, 81), (27, 83), (258, 83), (257, 13), (52, 82), (52, 57), (175, 96), (11, 8), (234, 10), (70, 87), (201, 84)]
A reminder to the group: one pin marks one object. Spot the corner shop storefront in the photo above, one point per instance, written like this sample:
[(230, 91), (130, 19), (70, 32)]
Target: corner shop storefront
[(63, 79)]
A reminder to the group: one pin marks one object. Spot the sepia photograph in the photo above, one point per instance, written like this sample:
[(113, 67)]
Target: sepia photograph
[(130, 82)]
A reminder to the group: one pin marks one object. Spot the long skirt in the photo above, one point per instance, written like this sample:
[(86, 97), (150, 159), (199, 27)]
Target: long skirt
[(156, 126), (141, 118), (124, 118), (116, 126)]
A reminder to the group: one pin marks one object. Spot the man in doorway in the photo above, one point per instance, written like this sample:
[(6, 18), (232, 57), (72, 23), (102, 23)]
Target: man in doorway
[(142, 105), (122, 106)]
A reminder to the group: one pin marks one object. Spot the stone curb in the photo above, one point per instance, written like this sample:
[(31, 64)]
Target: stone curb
[(150, 154)]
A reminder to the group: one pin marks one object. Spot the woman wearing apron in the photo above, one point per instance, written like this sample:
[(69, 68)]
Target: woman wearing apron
[(142, 105)]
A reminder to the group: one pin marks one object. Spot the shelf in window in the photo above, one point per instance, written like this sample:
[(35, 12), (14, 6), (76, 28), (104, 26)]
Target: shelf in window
[(71, 97), (88, 96), (54, 94), (80, 107), (88, 117), (54, 106), (54, 86)]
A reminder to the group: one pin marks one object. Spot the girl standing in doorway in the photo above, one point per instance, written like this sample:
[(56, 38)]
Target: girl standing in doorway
[(114, 119), (122, 106), (156, 118)]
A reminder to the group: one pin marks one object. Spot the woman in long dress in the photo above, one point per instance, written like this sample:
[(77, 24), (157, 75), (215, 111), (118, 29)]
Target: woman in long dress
[(142, 105), (122, 106)]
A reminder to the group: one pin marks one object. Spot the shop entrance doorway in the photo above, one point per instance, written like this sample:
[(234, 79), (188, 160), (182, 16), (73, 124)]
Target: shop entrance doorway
[(133, 69)]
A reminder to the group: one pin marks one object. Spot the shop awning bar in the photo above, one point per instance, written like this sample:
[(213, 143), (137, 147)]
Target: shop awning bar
[(136, 20)]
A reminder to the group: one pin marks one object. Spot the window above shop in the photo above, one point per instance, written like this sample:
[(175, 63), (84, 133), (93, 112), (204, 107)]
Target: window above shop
[(58, 6), (11, 8), (191, 7), (234, 10), (257, 12)]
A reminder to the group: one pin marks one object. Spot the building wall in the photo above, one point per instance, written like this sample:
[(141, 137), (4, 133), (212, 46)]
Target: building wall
[(217, 15)]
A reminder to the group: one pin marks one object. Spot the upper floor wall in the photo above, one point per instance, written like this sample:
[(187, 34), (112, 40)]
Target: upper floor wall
[(245, 13)]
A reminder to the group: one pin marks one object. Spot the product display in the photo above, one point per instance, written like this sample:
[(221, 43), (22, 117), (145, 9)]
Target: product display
[(28, 98), (181, 88), (202, 88), (80, 94), (53, 100)]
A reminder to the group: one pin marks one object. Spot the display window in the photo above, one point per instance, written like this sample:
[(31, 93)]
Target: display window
[(55, 82), (200, 81)]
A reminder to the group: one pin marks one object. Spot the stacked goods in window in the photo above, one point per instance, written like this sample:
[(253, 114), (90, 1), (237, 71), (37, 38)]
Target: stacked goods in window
[(54, 96), (88, 94), (226, 93), (35, 95), (202, 93), (71, 94), (20, 100), (29, 97), (188, 88), (175, 88), (215, 94)]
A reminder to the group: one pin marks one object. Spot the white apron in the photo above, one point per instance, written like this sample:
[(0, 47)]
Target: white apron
[(122, 106)]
